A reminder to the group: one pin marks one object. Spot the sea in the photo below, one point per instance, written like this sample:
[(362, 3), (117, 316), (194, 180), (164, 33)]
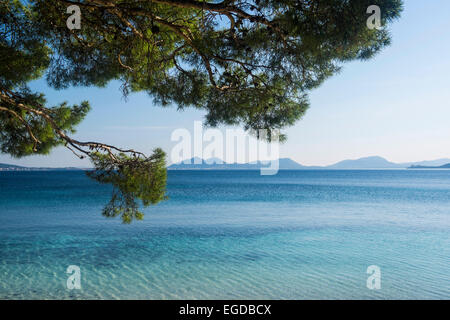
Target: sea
[(232, 234)]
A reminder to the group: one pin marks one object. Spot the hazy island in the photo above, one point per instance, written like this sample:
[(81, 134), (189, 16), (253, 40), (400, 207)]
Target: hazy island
[(445, 166)]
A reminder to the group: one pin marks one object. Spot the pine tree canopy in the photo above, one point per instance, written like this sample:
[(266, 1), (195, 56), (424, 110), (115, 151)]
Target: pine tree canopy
[(249, 63)]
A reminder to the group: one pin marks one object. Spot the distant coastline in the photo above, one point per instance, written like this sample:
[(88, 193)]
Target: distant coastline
[(11, 167), (445, 166), (366, 163)]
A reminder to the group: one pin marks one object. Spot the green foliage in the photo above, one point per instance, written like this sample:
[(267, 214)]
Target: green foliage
[(131, 178), (244, 62), (32, 133), (23, 54)]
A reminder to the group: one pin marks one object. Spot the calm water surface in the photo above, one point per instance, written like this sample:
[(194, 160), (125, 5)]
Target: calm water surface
[(230, 235)]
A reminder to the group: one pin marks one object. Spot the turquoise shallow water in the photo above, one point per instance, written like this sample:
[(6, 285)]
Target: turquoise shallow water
[(230, 235)]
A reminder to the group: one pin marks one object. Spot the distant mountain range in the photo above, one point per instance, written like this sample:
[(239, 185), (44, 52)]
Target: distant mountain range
[(284, 164), (366, 163), (289, 164)]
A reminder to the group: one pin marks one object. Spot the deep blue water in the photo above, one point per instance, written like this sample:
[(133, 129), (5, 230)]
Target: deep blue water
[(230, 235)]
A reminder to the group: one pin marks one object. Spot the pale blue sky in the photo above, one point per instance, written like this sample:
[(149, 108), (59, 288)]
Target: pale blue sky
[(396, 105)]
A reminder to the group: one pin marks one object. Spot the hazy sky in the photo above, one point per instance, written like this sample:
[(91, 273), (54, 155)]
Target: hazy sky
[(396, 105)]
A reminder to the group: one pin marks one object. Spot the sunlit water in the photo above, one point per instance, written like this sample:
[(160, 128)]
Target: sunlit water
[(230, 235)]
